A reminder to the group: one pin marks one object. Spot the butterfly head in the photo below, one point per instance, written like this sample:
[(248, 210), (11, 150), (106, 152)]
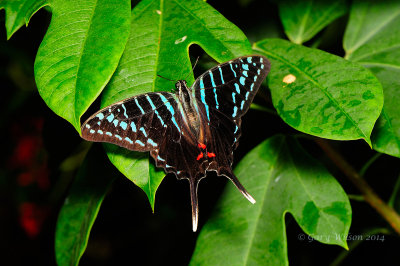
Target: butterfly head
[(182, 91), (180, 85)]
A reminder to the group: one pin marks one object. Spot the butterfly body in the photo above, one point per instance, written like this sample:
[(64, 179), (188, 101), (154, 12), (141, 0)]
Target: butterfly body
[(188, 111), (189, 132)]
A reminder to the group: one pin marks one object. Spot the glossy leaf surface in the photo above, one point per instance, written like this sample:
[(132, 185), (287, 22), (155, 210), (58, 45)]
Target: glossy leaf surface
[(283, 179), (322, 94), (79, 53), (19, 12), (302, 20), (372, 38), (81, 207)]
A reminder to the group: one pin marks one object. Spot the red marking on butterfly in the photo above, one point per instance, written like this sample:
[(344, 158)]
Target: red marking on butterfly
[(199, 156), (201, 146), (210, 154)]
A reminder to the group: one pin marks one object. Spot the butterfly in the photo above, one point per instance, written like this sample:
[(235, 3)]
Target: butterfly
[(191, 131)]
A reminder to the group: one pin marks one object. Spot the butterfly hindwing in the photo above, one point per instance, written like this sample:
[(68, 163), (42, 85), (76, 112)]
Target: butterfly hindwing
[(223, 95)]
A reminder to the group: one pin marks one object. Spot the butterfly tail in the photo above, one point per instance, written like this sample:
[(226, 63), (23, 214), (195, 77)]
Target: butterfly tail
[(241, 188), (195, 204)]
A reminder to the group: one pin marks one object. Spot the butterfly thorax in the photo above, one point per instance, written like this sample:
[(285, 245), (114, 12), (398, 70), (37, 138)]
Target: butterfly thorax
[(192, 120)]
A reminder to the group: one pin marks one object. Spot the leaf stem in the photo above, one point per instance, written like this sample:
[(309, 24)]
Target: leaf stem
[(356, 197), (258, 107), (369, 163), (395, 193), (387, 212)]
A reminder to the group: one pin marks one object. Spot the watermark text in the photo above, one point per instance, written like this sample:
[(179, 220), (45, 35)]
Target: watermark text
[(340, 237)]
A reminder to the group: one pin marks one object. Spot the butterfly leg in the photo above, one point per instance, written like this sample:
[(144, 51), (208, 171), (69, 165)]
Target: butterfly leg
[(195, 204)]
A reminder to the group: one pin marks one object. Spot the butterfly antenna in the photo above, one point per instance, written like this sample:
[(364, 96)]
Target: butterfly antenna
[(195, 205), (166, 78), (242, 189), (197, 60)]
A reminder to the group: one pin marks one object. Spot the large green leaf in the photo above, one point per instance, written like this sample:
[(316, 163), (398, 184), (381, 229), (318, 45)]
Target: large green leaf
[(161, 33), (372, 29), (302, 20), (372, 38), (19, 12), (283, 178), (80, 52), (81, 207), (386, 133), (322, 94)]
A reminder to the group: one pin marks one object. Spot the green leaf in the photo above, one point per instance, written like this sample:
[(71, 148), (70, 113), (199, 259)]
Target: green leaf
[(302, 20), (138, 168), (79, 53), (19, 12), (81, 207), (322, 94), (372, 38), (283, 178), (161, 34), (386, 133), (372, 30)]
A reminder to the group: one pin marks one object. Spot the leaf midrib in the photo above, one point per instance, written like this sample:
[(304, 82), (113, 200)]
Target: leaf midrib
[(323, 17), (253, 234), (357, 59), (77, 116), (372, 33), (298, 177), (89, 223), (303, 24), (383, 65), (152, 195)]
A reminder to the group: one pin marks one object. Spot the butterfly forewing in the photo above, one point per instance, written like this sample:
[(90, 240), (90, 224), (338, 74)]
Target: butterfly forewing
[(138, 123), (230, 87)]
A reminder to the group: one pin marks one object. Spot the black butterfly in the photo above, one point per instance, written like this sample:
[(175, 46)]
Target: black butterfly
[(189, 132)]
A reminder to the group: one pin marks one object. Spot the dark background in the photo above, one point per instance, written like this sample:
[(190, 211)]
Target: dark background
[(41, 153)]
